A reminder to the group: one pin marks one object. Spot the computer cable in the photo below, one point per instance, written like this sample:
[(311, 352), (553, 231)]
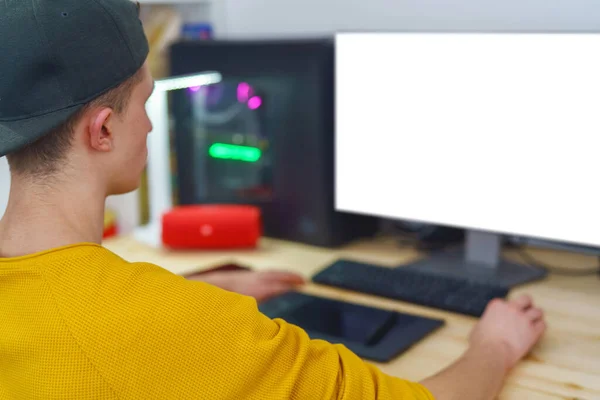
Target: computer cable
[(554, 270)]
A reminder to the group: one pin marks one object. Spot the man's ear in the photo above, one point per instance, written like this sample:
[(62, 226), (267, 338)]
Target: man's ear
[(100, 133)]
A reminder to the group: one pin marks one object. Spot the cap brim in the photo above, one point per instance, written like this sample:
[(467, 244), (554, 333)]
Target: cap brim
[(14, 135)]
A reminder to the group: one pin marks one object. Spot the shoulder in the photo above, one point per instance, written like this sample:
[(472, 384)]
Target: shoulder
[(90, 280)]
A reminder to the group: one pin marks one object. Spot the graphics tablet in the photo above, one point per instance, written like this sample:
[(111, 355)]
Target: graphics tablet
[(371, 333)]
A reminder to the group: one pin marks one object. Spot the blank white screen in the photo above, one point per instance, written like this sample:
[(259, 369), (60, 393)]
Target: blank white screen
[(495, 132)]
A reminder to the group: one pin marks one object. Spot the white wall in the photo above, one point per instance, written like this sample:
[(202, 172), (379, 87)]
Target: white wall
[(127, 209), (297, 18), (4, 184)]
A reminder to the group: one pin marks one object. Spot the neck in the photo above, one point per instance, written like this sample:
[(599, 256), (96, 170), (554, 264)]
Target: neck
[(44, 215)]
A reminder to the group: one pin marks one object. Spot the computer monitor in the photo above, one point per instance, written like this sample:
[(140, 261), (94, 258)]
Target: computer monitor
[(492, 132)]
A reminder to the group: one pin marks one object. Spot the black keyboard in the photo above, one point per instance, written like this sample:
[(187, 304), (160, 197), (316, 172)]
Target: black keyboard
[(413, 286)]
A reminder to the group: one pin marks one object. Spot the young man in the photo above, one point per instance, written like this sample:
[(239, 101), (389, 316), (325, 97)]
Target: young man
[(78, 322)]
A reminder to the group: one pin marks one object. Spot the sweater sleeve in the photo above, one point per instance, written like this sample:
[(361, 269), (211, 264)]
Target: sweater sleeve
[(171, 338)]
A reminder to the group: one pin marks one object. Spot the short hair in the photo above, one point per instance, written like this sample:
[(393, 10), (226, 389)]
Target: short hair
[(43, 157)]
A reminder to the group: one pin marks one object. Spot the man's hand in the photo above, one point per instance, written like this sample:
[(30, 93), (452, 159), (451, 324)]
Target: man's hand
[(514, 326), (262, 285), (505, 333)]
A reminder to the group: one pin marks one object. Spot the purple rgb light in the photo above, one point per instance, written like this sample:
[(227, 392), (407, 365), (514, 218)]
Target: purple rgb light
[(243, 92), (254, 103)]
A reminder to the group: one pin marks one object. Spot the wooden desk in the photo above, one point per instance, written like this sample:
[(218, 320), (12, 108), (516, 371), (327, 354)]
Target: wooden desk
[(565, 365)]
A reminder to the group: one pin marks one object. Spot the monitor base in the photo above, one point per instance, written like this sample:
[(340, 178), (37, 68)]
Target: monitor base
[(454, 263)]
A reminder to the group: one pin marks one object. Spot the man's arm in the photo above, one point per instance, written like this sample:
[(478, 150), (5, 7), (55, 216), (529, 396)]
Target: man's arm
[(183, 337), (477, 375), (505, 333)]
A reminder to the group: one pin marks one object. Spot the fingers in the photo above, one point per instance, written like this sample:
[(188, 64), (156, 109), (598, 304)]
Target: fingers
[(273, 290), (534, 314), (522, 302), (289, 278), (539, 327), (525, 304)]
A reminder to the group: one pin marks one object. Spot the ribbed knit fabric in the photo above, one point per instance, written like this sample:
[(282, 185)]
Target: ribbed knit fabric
[(81, 323)]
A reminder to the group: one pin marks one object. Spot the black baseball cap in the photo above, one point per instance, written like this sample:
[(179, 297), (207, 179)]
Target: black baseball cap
[(58, 55)]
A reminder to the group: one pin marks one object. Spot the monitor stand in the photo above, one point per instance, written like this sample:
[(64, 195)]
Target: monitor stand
[(480, 260)]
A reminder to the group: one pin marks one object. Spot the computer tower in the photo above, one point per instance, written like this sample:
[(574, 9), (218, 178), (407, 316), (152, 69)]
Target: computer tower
[(263, 136)]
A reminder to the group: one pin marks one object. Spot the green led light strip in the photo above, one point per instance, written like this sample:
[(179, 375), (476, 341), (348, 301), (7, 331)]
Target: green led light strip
[(234, 152)]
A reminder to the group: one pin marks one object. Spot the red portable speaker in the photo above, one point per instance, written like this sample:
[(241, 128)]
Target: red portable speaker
[(211, 227)]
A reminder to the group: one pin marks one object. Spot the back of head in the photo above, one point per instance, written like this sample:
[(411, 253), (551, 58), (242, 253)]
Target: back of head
[(64, 58)]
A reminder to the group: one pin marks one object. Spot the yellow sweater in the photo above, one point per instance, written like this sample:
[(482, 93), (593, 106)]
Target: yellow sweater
[(81, 323)]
